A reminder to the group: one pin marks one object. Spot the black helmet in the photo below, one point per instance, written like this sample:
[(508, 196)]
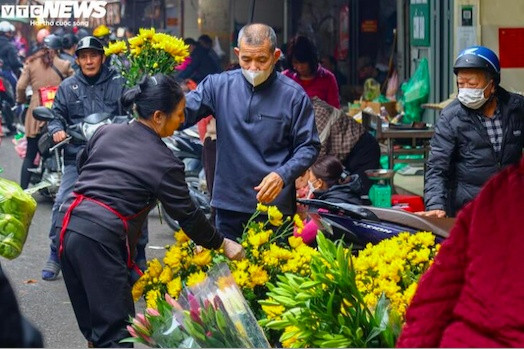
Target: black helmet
[(89, 42), (478, 57), (59, 32), (69, 40), (53, 42), (82, 33)]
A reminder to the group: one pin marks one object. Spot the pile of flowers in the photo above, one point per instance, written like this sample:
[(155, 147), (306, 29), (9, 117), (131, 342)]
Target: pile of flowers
[(149, 53), (301, 296), (393, 267), (349, 301)]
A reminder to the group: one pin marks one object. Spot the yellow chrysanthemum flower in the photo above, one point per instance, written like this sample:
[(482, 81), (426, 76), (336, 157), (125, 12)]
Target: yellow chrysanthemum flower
[(151, 298), (115, 48), (289, 342), (275, 216), (261, 207), (203, 258), (273, 311), (195, 278), (166, 275), (138, 289), (259, 239), (181, 237), (146, 34), (154, 268), (257, 275), (174, 287)]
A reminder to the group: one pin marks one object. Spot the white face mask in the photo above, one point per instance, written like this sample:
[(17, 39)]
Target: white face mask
[(311, 189), (472, 98), (256, 77)]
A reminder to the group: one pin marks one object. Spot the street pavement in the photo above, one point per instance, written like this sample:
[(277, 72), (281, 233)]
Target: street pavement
[(46, 303)]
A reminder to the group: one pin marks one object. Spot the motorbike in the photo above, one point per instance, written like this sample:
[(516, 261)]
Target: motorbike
[(186, 146), (46, 178), (361, 225)]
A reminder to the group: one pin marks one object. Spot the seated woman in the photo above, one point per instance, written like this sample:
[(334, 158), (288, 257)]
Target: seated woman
[(329, 182), (343, 137)]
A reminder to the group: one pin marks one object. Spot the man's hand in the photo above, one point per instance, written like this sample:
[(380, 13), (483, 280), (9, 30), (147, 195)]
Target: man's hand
[(269, 188), (432, 213), (233, 250), (59, 136)]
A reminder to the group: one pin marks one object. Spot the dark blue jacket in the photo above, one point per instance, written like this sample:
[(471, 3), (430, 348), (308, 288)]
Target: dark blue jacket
[(76, 98), (462, 157), (259, 130), (204, 61), (9, 55)]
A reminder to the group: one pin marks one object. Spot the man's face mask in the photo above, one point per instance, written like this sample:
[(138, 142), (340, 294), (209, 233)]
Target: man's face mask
[(473, 98), (256, 77)]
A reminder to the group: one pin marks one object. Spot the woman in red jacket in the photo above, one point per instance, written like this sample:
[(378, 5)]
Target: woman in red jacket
[(303, 63), (473, 294)]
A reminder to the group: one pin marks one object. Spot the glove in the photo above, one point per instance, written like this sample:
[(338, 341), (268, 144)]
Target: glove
[(233, 250)]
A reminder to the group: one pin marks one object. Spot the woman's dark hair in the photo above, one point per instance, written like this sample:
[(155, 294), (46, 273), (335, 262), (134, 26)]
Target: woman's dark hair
[(158, 92), (46, 54), (303, 50), (329, 169)]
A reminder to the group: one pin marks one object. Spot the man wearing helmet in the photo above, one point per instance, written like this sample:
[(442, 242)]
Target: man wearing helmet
[(9, 54), (475, 136), (93, 89)]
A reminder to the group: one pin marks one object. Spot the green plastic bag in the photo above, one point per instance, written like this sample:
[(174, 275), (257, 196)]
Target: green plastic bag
[(16, 212), (415, 92)]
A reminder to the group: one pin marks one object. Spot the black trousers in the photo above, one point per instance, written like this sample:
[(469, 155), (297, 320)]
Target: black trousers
[(209, 159), (97, 281), (365, 155), (32, 150)]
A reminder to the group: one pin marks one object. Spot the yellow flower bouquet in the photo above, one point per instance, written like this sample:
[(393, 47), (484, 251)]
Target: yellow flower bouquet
[(149, 53)]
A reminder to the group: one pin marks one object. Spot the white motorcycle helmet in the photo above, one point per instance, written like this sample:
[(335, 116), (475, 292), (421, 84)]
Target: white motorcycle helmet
[(6, 27)]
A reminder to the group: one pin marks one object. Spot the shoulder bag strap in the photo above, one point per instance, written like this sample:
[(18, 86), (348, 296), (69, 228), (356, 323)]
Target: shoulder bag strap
[(58, 72)]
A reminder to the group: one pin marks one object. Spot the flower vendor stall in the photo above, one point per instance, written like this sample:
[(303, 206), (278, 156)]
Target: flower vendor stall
[(328, 296)]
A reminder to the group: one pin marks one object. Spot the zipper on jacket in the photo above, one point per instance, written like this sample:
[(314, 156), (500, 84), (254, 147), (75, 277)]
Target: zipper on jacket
[(248, 118)]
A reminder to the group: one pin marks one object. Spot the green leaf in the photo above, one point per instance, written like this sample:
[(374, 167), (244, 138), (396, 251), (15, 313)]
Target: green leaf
[(309, 284)]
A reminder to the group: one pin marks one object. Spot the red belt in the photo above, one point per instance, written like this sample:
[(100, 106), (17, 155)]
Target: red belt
[(78, 199)]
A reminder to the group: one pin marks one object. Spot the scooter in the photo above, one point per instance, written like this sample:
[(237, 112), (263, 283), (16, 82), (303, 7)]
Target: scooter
[(360, 225), (186, 146), (46, 178)]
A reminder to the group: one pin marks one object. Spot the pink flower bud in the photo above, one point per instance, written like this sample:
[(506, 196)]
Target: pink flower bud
[(152, 312), (131, 331)]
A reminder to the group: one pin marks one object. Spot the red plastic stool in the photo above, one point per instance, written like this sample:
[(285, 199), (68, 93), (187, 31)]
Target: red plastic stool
[(411, 203)]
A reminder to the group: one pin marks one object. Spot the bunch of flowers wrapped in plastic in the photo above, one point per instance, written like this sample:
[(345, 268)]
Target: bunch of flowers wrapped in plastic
[(393, 268), (210, 314), (149, 53)]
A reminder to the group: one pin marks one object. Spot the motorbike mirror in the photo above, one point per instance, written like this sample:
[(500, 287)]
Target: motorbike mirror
[(43, 114), (96, 118)]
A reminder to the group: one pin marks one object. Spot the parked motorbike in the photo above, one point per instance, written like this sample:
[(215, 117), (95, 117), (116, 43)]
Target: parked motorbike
[(360, 225), (186, 146), (46, 178)]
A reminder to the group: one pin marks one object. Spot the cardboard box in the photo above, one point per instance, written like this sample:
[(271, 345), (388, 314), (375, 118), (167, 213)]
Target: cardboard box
[(391, 107)]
